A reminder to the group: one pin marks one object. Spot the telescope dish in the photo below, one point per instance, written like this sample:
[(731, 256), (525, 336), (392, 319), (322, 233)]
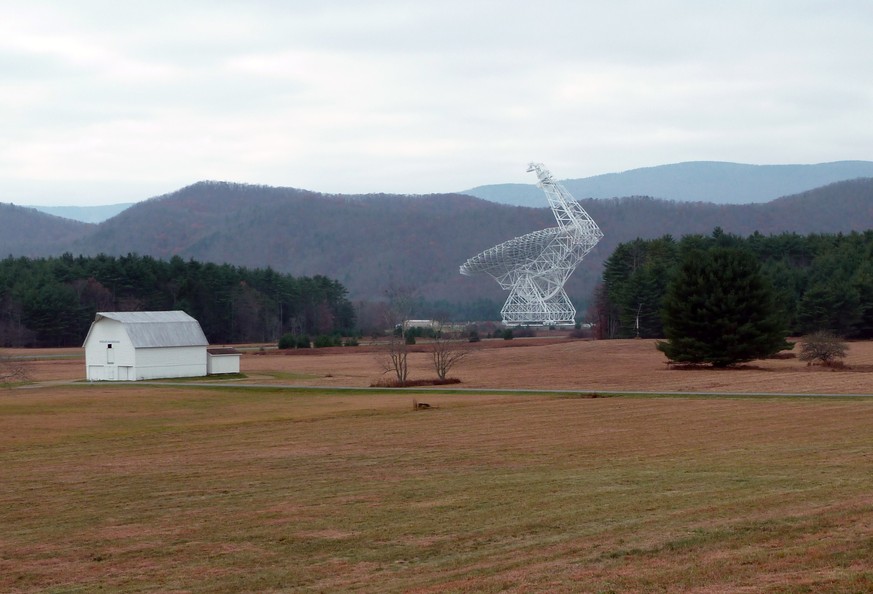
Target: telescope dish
[(535, 266)]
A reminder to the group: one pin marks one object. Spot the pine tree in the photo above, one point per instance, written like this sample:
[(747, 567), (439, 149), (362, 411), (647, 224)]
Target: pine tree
[(720, 310)]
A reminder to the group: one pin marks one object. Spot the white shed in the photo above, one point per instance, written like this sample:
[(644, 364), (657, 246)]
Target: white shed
[(139, 345), (222, 360)]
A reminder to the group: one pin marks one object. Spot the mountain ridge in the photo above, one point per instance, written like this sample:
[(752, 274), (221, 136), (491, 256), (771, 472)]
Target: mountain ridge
[(29, 232), (720, 182), (376, 242)]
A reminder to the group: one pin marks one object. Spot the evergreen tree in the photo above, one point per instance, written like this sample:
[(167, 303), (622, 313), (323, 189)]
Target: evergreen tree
[(51, 302), (635, 276), (720, 310), (834, 306), (863, 283)]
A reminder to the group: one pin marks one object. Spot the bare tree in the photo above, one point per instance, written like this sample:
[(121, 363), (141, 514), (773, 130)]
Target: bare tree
[(11, 371), (823, 346), (447, 349), (395, 357)]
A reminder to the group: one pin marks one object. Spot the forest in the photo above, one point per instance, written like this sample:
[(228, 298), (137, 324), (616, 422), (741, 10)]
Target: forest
[(371, 243), (822, 281), (51, 302)]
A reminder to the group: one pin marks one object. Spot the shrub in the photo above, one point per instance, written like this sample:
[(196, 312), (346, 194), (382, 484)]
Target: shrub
[(324, 341), (580, 333), (825, 347), (290, 341), (287, 341), (12, 371)]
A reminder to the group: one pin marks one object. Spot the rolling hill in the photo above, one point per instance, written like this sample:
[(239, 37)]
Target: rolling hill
[(29, 232), (695, 181), (371, 243)]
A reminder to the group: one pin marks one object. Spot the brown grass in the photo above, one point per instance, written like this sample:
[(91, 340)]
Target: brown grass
[(199, 489), (538, 364), (562, 364)]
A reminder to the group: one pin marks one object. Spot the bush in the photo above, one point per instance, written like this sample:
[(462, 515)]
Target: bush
[(351, 342), (420, 332), (290, 341), (12, 371), (825, 347), (287, 341), (507, 334), (580, 333), (325, 340)]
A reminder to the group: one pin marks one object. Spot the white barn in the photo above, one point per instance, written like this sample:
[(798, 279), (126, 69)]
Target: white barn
[(141, 345)]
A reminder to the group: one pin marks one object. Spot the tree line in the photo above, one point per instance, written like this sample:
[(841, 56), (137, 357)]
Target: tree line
[(821, 282), (52, 301)]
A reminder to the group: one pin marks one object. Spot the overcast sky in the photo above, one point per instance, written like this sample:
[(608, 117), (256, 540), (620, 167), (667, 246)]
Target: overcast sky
[(117, 101)]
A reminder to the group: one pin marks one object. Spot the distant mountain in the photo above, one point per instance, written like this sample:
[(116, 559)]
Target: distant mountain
[(695, 181), (86, 214), (372, 243), (29, 232)]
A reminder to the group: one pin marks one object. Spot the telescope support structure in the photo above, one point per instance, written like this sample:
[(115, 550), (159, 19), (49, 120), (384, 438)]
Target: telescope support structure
[(534, 267)]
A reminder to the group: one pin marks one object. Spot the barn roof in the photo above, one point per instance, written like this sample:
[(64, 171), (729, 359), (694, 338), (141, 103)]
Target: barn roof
[(157, 328)]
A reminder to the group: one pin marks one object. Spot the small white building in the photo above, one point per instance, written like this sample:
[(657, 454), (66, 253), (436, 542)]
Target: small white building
[(141, 345), (222, 360)]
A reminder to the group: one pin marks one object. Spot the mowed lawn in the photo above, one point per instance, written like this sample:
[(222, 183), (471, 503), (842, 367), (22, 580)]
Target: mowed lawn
[(142, 488)]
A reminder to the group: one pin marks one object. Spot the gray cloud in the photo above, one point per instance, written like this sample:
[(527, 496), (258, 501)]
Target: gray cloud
[(113, 100)]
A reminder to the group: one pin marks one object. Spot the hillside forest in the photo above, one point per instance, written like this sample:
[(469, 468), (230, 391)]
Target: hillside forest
[(52, 301), (373, 243), (822, 281), (213, 247)]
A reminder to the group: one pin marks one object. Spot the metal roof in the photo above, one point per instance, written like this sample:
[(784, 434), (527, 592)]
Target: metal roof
[(223, 351), (148, 329)]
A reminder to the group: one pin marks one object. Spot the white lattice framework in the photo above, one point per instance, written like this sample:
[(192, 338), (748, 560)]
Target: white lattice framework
[(534, 267)]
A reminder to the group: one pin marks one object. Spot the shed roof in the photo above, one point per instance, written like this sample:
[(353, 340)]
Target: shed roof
[(148, 329), (223, 351)]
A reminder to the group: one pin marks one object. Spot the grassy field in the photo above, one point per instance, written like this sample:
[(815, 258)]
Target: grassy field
[(191, 489)]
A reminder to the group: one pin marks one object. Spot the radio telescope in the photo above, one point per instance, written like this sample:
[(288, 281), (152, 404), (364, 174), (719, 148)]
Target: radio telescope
[(534, 267)]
